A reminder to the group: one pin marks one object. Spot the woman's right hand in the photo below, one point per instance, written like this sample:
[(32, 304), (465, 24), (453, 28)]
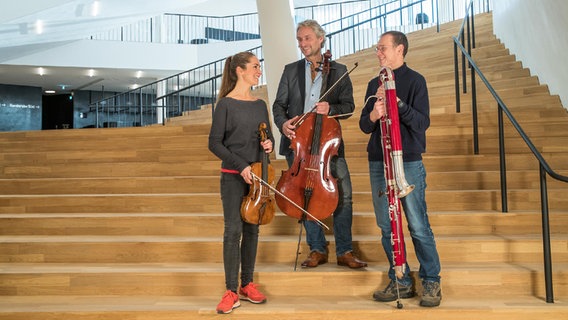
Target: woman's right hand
[(246, 174)]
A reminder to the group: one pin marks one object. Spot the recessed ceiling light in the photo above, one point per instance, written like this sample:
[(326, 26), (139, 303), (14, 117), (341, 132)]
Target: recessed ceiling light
[(39, 27), (49, 91), (95, 8)]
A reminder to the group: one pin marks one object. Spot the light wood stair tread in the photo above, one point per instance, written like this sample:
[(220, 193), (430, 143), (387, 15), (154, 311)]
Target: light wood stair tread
[(327, 307)]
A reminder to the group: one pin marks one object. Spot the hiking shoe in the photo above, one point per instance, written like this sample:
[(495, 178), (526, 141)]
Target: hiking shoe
[(432, 294), (251, 293), (390, 294), (229, 302)]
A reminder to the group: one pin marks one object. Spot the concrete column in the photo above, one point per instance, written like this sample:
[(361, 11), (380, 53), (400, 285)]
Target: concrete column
[(279, 46)]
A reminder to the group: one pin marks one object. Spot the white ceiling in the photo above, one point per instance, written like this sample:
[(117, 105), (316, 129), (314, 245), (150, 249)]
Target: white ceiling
[(66, 21)]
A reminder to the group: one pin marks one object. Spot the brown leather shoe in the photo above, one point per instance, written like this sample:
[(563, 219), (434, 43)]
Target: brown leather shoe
[(351, 261), (314, 259)]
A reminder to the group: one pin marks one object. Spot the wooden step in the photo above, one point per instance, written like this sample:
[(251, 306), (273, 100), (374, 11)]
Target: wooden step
[(472, 223), (176, 164), (278, 280), (438, 200), (272, 249), (301, 307), (454, 180)]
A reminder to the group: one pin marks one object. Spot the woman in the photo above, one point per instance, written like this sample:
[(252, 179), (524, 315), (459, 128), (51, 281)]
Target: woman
[(234, 139)]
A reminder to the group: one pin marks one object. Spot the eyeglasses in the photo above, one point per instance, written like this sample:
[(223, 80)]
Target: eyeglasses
[(382, 49)]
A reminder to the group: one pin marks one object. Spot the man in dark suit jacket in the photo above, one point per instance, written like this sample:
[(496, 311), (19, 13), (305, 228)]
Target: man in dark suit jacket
[(299, 91)]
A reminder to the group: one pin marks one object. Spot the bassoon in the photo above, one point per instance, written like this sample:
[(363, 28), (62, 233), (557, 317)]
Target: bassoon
[(396, 185)]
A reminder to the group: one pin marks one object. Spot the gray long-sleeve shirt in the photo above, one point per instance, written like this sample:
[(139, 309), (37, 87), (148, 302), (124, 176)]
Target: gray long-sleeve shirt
[(234, 136)]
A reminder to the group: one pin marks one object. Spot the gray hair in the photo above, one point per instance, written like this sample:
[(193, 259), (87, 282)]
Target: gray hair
[(314, 25)]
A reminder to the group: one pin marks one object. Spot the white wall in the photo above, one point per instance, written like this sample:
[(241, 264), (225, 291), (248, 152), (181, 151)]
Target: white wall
[(535, 31)]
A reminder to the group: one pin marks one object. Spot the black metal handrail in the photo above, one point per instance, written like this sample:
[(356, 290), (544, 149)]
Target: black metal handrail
[(544, 168)]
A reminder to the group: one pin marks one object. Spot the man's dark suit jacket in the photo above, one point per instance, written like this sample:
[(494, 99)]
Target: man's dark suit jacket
[(291, 95)]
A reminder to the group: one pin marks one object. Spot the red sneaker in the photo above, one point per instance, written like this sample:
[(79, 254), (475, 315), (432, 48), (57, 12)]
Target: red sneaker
[(251, 293), (229, 302)]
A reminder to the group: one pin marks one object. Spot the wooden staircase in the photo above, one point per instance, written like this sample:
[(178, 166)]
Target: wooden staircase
[(126, 223)]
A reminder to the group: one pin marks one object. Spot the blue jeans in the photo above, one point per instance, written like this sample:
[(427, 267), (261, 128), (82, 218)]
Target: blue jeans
[(342, 216), (414, 207), (240, 239)]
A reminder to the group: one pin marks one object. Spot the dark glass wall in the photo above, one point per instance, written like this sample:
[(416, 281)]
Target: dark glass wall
[(20, 108)]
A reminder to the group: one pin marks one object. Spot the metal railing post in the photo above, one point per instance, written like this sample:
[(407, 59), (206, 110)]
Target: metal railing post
[(502, 161), (472, 27), (464, 82), (437, 18), (546, 237), (457, 78), (97, 115), (474, 114), (468, 37)]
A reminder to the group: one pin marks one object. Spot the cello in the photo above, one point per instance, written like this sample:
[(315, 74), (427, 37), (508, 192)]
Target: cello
[(258, 206), (309, 182)]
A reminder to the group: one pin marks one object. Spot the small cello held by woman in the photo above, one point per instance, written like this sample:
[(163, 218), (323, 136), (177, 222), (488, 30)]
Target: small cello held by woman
[(258, 206)]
